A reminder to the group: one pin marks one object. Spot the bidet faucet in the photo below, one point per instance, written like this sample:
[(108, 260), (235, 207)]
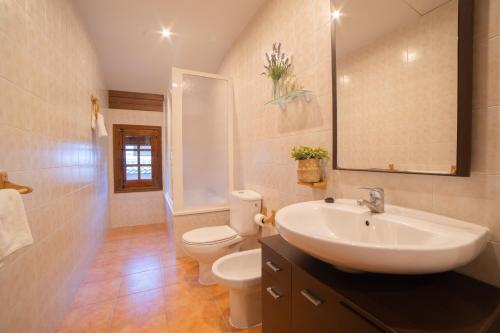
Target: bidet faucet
[(376, 203)]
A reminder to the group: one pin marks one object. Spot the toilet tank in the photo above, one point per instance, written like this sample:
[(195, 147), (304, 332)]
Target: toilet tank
[(243, 205)]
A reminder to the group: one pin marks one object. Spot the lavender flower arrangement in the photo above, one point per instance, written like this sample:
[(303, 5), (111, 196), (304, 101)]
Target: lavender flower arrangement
[(278, 66)]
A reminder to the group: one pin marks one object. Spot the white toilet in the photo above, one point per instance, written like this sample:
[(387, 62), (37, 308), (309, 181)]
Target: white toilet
[(210, 243), (241, 273)]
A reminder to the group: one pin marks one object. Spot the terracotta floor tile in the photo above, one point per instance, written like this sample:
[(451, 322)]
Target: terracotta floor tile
[(137, 232), (104, 272), (169, 259), (222, 301), (151, 290), (114, 246), (229, 328), (256, 329), (148, 325), (140, 264), (94, 292), (104, 258), (201, 316), (149, 239), (217, 292), (88, 319), (142, 281), (134, 309), (178, 274), (145, 252), (186, 295)]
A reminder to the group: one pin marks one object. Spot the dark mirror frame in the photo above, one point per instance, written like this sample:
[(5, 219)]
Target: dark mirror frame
[(464, 94)]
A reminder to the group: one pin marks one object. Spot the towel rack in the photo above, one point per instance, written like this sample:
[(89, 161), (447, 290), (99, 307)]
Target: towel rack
[(95, 103), (4, 184)]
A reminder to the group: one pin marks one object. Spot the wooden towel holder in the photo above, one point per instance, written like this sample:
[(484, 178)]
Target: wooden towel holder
[(5, 184)]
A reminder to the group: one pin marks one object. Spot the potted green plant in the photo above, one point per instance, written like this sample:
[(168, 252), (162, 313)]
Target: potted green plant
[(309, 158), (277, 68)]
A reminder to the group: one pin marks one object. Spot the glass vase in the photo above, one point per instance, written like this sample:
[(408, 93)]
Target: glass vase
[(276, 89)]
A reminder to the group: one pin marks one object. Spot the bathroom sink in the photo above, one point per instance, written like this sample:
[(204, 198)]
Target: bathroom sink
[(398, 241)]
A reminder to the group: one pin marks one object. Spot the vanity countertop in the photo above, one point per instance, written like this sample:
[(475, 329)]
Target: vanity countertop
[(446, 302)]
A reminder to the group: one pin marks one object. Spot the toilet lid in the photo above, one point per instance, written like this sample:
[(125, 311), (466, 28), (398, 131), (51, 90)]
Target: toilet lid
[(209, 235)]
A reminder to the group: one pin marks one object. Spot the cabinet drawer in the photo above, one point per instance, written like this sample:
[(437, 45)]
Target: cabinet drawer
[(276, 305), (316, 308), (277, 267)]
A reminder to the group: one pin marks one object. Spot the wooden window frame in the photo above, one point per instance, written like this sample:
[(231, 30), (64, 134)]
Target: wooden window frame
[(119, 163)]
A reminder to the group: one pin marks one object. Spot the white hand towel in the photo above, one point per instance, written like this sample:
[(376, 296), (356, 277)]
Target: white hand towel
[(101, 128), (93, 122), (15, 232)]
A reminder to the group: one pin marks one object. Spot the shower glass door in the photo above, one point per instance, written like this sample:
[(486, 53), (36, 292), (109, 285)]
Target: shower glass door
[(204, 144)]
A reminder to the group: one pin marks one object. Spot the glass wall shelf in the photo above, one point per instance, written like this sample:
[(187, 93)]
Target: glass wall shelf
[(284, 100)]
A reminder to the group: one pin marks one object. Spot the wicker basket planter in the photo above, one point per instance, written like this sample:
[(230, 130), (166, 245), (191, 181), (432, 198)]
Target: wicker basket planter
[(309, 171)]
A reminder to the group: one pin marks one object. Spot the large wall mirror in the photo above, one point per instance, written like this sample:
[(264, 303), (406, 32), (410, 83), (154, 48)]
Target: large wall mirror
[(402, 76)]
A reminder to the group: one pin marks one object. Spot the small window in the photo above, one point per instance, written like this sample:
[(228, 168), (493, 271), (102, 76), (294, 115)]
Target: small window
[(137, 158)]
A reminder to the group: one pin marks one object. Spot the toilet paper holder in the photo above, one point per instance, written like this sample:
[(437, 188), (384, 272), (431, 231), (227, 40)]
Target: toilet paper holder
[(269, 219)]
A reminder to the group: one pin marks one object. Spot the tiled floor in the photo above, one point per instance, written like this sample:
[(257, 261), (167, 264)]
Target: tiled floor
[(137, 285)]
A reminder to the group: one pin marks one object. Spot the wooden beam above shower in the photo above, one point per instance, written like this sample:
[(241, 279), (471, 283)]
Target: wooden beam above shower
[(135, 101)]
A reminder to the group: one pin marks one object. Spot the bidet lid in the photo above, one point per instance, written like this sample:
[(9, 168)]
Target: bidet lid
[(209, 235)]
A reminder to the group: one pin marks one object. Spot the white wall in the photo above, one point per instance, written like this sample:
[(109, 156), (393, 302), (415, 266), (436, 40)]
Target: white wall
[(136, 208)]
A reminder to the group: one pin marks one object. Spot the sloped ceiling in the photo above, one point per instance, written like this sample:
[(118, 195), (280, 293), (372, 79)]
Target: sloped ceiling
[(134, 56)]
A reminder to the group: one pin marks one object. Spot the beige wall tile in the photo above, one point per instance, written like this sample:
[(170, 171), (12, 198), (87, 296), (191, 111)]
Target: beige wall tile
[(47, 143), (487, 266), (487, 18), (128, 209), (486, 140), (262, 162), (486, 89)]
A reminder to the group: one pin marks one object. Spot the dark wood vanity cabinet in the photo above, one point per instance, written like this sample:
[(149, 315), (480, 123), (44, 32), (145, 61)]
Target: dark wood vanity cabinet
[(316, 308), (293, 301), (302, 294), (276, 292)]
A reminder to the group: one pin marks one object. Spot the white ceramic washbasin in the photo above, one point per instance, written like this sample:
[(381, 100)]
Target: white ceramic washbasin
[(399, 241)]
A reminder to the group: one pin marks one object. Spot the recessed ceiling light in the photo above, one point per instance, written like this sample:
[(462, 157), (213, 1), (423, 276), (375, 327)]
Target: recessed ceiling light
[(336, 14), (165, 33)]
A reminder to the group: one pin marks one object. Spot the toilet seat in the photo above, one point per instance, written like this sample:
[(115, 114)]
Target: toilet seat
[(209, 235), (207, 244)]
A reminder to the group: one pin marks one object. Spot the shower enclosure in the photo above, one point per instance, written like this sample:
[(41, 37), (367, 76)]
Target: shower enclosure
[(199, 143)]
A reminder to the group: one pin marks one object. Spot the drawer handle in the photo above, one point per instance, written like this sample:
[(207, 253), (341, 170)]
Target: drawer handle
[(273, 266), (310, 297), (273, 293)]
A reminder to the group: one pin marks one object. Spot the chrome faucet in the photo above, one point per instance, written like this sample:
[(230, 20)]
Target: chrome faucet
[(376, 203)]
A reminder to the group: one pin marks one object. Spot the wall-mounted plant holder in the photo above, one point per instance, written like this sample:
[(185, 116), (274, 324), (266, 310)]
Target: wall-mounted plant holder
[(286, 99)]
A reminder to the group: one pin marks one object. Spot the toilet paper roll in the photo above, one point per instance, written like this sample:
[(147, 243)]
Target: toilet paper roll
[(259, 219)]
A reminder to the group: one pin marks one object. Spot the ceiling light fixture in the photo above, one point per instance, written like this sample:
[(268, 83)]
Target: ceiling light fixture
[(165, 33), (336, 14)]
